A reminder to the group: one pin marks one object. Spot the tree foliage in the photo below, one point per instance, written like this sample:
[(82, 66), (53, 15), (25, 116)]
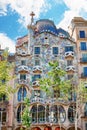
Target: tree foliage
[(55, 81), (26, 115), (6, 75)]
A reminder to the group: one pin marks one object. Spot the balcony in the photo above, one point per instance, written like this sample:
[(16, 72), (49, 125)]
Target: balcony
[(70, 68), (23, 81), (37, 69), (23, 68), (83, 60), (35, 83), (37, 99), (69, 54), (83, 75), (23, 53)]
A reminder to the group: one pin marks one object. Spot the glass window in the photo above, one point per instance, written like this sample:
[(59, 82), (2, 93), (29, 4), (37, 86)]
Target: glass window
[(37, 50), (70, 76), (41, 113), (71, 113), (85, 71), (23, 62), (22, 93), (85, 126), (62, 114), (34, 114), (2, 115), (84, 57), (22, 76), (55, 50), (69, 62), (85, 110), (36, 77), (82, 34), (37, 62), (68, 48), (83, 45), (19, 112)]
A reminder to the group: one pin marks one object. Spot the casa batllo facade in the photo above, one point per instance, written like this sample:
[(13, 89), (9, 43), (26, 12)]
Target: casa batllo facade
[(44, 43)]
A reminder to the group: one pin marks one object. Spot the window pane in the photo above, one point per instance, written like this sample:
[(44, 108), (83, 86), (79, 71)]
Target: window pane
[(37, 62), (4, 117), (23, 76), (69, 62), (68, 48), (83, 45), (55, 50), (82, 34), (37, 50), (23, 62), (35, 77), (85, 71)]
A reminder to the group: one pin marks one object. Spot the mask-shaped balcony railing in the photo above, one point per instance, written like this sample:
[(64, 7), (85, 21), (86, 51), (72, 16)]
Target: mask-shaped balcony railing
[(23, 68), (37, 68), (70, 68), (69, 54)]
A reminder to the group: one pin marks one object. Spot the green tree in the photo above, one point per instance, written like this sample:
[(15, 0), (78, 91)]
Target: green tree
[(80, 92), (26, 115), (6, 75), (55, 81)]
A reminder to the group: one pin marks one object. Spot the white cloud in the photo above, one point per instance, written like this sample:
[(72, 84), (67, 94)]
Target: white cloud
[(5, 41), (75, 8), (24, 8)]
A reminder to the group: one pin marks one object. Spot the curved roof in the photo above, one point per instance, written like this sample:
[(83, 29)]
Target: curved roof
[(46, 25)]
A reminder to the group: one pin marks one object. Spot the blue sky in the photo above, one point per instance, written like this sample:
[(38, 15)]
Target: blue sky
[(14, 16)]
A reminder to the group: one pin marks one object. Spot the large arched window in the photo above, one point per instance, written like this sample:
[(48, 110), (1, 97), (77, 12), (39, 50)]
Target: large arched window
[(53, 114), (71, 113), (21, 93), (19, 112), (61, 114), (85, 110), (41, 114), (34, 114)]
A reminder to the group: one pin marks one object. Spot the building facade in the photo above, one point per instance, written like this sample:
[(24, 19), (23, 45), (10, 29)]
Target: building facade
[(6, 106), (78, 31), (43, 44)]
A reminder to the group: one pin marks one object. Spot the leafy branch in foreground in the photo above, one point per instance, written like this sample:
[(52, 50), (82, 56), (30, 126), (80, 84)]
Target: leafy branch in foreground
[(6, 76), (55, 81), (26, 115)]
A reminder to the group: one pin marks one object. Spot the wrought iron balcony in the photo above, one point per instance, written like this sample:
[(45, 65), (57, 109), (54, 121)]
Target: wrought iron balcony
[(69, 53)]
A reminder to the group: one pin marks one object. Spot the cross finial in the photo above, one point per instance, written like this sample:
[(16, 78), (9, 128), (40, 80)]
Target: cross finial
[(32, 17)]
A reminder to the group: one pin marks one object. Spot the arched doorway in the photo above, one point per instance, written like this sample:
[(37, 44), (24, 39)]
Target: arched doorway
[(73, 128), (47, 128), (58, 128)]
